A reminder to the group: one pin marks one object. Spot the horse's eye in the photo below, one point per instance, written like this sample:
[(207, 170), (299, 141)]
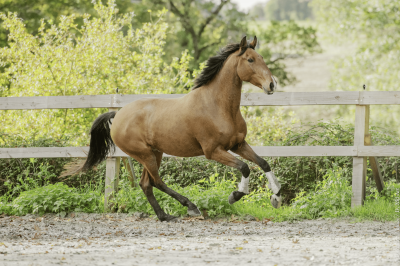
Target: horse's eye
[(250, 60)]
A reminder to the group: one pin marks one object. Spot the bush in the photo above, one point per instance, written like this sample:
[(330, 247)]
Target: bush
[(211, 195), (104, 53), (55, 198), (331, 198), (296, 174), (18, 175), (303, 173)]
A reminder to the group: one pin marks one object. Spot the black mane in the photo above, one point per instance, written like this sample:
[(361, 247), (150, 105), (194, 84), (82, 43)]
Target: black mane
[(215, 63)]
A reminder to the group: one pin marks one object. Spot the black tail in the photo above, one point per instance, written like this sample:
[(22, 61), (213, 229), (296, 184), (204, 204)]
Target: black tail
[(100, 141)]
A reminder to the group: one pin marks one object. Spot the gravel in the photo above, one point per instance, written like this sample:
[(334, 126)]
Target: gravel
[(120, 239)]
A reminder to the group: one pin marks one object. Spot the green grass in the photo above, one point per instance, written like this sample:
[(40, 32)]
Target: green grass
[(331, 199), (376, 210), (373, 210)]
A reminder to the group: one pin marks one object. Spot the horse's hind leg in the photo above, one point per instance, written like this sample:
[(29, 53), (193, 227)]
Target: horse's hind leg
[(147, 188), (152, 178), (247, 153)]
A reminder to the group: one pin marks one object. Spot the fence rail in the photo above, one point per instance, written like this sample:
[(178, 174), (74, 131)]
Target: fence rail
[(267, 151), (248, 99), (360, 151)]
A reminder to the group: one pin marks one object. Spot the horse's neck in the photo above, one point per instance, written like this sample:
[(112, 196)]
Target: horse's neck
[(226, 88)]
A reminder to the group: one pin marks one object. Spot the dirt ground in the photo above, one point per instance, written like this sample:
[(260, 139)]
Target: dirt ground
[(119, 239)]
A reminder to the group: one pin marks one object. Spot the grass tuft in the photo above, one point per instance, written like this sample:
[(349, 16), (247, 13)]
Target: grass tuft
[(330, 199)]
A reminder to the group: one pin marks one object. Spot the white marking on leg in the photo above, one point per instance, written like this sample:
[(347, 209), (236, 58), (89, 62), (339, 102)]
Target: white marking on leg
[(276, 201), (244, 185), (274, 184)]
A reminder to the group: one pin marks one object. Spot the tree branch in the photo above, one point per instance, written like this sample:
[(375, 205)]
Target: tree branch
[(206, 46), (211, 17), (186, 21), (277, 59)]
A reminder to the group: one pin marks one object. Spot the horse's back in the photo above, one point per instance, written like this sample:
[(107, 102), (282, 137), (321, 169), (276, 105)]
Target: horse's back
[(162, 124)]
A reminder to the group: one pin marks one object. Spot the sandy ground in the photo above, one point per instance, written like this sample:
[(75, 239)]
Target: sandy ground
[(118, 239)]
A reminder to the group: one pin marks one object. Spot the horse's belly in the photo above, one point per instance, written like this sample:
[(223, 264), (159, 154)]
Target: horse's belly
[(184, 153), (178, 146)]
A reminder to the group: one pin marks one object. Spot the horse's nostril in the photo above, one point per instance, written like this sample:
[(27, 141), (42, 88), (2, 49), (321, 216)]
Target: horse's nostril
[(271, 86)]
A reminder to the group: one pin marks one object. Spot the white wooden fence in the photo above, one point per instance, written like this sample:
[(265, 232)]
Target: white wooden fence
[(360, 151)]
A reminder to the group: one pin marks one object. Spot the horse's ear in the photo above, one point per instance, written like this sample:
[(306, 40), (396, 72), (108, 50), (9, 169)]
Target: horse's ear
[(254, 42), (243, 43)]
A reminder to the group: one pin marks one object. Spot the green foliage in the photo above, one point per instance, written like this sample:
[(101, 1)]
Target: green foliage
[(18, 175), (271, 131), (187, 171), (56, 198), (211, 195), (281, 40), (379, 209), (203, 26), (302, 173), (288, 10), (33, 11), (200, 26), (296, 174), (372, 28), (106, 52), (331, 198), (389, 193)]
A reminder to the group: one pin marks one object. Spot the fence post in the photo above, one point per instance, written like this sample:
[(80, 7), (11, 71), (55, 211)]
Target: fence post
[(373, 162), (112, 176), (361, 129)]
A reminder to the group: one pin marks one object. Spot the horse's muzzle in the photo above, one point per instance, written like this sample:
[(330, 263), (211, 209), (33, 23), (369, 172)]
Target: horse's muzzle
[(267, 91)]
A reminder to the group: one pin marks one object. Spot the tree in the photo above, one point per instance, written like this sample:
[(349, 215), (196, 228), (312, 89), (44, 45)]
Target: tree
[(201, 26), (288, 10), (281, 40), (373, 27), (257, 11), (96, 58)]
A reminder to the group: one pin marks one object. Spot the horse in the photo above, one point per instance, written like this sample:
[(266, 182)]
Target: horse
[(206, 121)]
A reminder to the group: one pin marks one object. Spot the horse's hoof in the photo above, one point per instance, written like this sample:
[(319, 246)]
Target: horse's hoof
[(276, 201), (194, 212), (235, 196), (169, 218), (174, 220)]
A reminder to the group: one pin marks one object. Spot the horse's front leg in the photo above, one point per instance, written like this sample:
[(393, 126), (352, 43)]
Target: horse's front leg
[(224, 157), (244, 150)]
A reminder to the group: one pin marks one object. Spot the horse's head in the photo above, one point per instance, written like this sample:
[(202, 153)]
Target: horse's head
[(252, 68)]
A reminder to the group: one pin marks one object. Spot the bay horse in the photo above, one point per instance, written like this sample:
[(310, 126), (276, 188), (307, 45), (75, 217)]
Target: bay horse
[(207, 121)]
